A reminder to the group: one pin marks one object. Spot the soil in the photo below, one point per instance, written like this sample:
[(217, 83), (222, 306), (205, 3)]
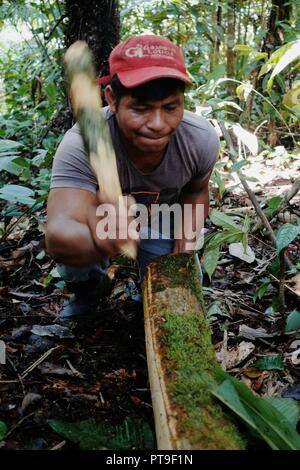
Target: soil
[(100, 372)]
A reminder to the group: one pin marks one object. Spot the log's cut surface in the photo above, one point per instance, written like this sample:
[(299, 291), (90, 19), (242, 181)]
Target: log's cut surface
[(181, 360)]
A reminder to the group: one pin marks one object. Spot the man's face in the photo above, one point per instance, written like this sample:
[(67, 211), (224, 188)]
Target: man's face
[(148, 126)]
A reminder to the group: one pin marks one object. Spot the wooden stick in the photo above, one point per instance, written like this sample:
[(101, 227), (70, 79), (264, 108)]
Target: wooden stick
[(86, 102)]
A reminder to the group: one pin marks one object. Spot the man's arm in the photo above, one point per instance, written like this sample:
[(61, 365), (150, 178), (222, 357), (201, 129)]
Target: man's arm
[(71, 228), (196, 194)]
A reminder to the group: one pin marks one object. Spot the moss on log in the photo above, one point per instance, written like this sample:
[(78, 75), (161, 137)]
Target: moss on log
[(181, 360)]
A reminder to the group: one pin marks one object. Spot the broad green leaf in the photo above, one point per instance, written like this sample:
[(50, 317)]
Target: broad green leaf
[(293, 321), (265, 69), (275, 202), (285, 235), (226, 236), (288, 407), (3, 430), (210, 260), (291, 53), (243, 49), (16, 193), (132, 433), (292, 97), (8, 145), (222, 220), (258, 413), (243, 91), (269, 362), (238, 165), (224, 104), (8, 164)]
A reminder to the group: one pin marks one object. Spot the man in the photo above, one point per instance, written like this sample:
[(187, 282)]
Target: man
[(165, 155)]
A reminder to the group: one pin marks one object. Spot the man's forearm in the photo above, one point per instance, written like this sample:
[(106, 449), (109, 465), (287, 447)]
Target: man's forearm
[(72, 245), (192, 219)]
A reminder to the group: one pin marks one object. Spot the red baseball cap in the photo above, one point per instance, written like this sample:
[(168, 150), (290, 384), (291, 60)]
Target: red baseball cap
[(140, 59)]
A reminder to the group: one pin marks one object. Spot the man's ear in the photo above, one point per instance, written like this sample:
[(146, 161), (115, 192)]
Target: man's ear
[(110, 98)]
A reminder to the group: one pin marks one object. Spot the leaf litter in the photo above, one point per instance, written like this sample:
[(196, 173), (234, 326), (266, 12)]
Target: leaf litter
[(108, 354)]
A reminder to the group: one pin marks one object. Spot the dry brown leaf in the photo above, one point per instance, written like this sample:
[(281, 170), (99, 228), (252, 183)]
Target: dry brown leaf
[(295, 281), (232, 357)]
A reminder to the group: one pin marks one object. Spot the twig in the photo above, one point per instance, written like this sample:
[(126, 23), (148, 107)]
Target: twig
[(38, 362), (59, 446), (259, 211), (17, 373), (18, 424), (285, 284), (281, 293), (287, 196)]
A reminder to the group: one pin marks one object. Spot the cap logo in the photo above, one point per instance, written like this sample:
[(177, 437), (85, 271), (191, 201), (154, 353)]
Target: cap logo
[(146, 50)]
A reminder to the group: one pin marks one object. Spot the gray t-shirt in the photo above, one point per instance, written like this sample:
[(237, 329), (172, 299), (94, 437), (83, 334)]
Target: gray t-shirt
[(191, 153)]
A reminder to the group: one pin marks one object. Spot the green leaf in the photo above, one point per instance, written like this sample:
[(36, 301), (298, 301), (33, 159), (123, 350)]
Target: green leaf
[(285, 235), (238, 165), (227, 236), (222, 220), (259, 414), (274, 362), (210, 260), (291, 53), (243, 49), (293, 321), (7, 145), (275, 202), (132, 433), (3, 430), (16, 193), (288, 407), (261, 290)]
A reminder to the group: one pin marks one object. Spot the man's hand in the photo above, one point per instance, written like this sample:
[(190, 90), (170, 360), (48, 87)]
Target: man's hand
[(71, 236), (111, 224), (194, 200)]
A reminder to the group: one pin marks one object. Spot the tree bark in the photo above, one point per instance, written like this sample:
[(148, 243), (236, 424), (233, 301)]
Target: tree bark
[(98, 23), (280, 11), (230, 45)]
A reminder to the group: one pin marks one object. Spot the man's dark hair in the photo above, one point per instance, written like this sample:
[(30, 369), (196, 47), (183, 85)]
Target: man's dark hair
[(155, 90)]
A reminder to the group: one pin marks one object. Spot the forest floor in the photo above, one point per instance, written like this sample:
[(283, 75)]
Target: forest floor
[(94, 372)]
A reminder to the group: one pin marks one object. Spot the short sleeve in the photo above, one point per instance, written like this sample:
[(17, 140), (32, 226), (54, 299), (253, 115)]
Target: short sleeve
[(210, 148), (71, 168)]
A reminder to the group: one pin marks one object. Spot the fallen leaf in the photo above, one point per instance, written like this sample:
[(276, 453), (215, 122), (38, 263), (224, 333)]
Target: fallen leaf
[(52, 330), (252, 373), (28, 400), (237, 250), (235, 356), (295, 281), (253, 333)]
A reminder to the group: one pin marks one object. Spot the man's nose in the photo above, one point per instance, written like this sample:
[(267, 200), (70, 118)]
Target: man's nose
[(156, 121)]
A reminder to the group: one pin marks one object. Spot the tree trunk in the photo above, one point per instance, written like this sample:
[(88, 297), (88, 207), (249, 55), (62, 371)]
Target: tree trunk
[(230, 45), (216, 46), (98, 23), (280, 11)]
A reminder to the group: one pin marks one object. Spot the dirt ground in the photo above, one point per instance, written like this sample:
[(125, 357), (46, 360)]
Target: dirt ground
[(97, 368)]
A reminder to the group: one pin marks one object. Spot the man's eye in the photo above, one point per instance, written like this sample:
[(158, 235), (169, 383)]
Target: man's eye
[(140, 110), (171, 108)]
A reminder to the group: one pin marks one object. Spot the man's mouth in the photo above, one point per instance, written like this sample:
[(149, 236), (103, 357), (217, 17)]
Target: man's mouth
[(153, 137)]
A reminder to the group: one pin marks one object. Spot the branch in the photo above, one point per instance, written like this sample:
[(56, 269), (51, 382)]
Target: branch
[(286, 197), (260, 213)]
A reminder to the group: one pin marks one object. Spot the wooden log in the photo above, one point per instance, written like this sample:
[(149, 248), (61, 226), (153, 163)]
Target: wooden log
[(86, 102), (181, 360)]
